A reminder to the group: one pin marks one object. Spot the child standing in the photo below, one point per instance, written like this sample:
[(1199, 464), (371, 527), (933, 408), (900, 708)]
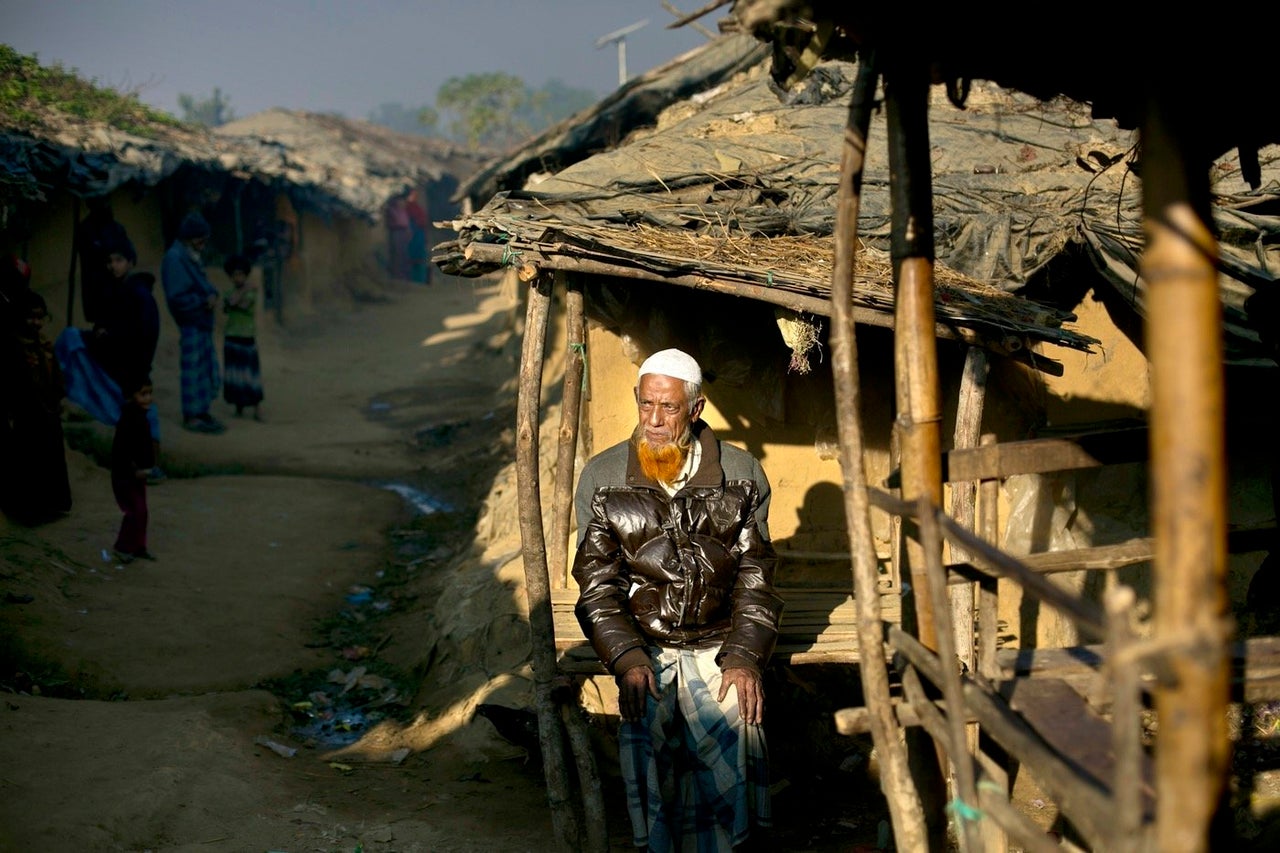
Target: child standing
[(242, 380), (132, 459)]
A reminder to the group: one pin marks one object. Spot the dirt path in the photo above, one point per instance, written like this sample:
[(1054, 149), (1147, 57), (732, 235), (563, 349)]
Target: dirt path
[(341, 585), (273, 578)]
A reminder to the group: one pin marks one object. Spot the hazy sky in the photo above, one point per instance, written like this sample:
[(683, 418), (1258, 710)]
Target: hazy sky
[(345, 56)]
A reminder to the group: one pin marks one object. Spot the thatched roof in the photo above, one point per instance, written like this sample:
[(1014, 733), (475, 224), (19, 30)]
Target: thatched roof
[(734, 191), (363, 164), (329, 164), (600, 127)]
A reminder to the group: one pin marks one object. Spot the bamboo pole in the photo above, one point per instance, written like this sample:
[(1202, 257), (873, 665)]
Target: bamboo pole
[(952, 690), (1188, 462), (904, 802), (75, 253), (596, 828), (988, 525), (916, 378), (1126, 721), (973, 386), (567, 448), (533, 545)]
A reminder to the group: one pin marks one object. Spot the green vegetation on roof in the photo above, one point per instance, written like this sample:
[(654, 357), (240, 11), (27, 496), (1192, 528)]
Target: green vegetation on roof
[(29, 91)]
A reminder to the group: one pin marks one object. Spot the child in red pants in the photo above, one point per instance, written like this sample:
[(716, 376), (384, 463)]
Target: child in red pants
[(132, 458)]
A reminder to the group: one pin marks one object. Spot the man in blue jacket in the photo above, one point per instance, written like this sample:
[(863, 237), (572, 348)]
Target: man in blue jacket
[(191, 300)]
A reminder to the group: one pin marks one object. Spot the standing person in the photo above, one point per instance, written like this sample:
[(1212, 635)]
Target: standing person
[(191, 300), (34, 487), (95, 234), (131, 463), (419, 269), (675, 571), (242, 382), (120, 347), (396, 215), (124, 339)]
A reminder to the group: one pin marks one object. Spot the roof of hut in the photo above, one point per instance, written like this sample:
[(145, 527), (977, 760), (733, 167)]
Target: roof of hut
[(91, 141), (734, 190), (634, 104), (362, 163)]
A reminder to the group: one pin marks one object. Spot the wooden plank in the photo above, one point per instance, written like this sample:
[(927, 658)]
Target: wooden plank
[(1081, 737), (1042, 455), (1255, 667)]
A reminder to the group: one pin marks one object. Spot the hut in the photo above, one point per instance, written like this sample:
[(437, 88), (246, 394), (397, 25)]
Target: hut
[(719, 229), (302, 194)]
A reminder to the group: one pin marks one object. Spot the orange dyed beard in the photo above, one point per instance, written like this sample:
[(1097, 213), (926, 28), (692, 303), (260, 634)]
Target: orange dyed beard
[(660, 463)]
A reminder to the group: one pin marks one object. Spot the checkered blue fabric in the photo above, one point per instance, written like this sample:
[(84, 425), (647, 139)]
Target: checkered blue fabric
[(697, 776), (199, 369), (89, 386)]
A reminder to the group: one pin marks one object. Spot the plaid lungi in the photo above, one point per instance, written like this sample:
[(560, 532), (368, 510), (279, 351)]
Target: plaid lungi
[(697, 776), (89, 386), (242, 382), (199, 369)]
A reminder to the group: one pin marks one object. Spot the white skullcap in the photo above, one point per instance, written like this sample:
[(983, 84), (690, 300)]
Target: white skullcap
[(673, 363)]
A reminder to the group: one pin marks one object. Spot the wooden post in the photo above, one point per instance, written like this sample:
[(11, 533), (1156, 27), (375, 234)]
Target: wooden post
[(533, 546), (919, 418), (1126, 722), (75, 251), (567, 448), (952, 688), (988, 636), (973, 387), (1188, 463), (895, 780)]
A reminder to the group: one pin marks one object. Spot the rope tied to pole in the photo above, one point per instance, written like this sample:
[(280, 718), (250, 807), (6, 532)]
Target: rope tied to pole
[(510, 256)]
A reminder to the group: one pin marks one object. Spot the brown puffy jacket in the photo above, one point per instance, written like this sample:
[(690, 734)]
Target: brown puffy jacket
[(685, 571)]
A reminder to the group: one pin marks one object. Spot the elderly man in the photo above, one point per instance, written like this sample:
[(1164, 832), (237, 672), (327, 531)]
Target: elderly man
[(191, 299), (675, 570)]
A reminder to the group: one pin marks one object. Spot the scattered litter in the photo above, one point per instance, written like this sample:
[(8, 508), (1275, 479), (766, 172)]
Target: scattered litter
[(278, 748), (355, 652), (398, 756), (106, 556), (359, 595), (420, 500), (341, 768)]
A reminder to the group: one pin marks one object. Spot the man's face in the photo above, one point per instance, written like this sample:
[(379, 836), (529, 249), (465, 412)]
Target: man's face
[(663, 406)]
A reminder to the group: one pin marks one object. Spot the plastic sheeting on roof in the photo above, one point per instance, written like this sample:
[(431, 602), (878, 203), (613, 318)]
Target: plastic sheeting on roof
[(1016, 183)]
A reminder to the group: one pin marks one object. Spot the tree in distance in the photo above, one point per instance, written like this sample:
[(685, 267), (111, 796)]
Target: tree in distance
[(210, 112)]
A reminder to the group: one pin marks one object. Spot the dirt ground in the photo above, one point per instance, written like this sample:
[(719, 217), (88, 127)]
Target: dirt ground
[(335, 591)]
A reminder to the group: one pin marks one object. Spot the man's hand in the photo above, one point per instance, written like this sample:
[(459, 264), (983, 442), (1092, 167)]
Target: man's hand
[(750, 693), (633, 686)]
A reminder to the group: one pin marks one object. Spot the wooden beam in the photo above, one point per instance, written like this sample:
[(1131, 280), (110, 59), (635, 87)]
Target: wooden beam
[(1183, 334), (903, 799), (533, 544), (560, 257), (567, 438)]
